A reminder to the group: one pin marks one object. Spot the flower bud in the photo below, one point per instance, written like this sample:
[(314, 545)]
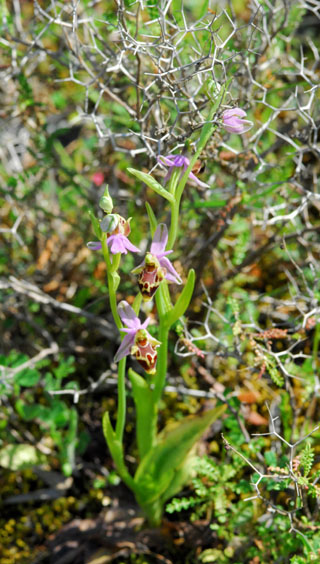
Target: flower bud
[(109, 223), (106, 203)]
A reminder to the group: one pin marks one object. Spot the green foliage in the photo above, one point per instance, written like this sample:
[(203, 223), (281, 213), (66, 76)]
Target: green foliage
[(274, 373), (47, 181), (36, 404), (152, 218), (183, 301), (212, 485), (166, 466), (306, 459)]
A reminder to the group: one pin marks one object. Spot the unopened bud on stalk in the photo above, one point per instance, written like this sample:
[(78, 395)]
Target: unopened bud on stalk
[(106, 203), (109, 223)]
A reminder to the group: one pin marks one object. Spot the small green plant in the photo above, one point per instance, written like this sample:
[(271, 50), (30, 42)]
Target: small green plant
[(38, 404)]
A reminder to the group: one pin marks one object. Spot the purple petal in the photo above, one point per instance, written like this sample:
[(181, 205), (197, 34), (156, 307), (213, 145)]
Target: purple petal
[(128, 316), (197, 181), (146, 323), (159, 240), (171, 274), (116, 244), (125, 347), (237, 125), (131, 247), (238, 112), (181, 160), (120, 244), (94, 245), (174, 161), (167, 161), (233, 121)]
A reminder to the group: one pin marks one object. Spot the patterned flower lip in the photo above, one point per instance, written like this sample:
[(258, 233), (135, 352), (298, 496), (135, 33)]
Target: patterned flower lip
[(137, 341), (179, 161), (156, 266), (233, 122)]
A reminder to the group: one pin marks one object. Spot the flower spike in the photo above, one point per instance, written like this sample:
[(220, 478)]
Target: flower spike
[(156, 266)]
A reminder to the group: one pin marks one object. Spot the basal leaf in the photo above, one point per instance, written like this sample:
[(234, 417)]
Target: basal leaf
[(157, 469), (116, 451), (145, 412)]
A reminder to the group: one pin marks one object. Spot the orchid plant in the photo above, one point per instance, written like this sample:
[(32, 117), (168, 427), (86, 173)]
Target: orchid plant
[(165, 459)]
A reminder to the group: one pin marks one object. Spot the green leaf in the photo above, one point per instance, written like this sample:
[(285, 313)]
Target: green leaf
[(181, 476), (158, 469), (27, 377), (145, 412), (214, 203), (29, 412), (306, 459), (183, 301), (17, 457), (115, 280), (95, 225), (152, 218), (116, 450), (66, 160), (152, 183)]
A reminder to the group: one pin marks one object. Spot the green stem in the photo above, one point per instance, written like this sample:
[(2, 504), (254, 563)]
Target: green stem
[(174, 181), (122, 400), (161, 362), (111, 274), (164, 306), (175, 209)]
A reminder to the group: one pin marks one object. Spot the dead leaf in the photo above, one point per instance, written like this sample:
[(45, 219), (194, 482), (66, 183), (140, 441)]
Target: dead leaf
[(248, 397), (255, 418)]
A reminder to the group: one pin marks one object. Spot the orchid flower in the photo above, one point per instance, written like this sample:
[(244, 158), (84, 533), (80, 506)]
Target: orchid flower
[(137, 341), (156, 266), (233, 122), (117, 229), (179, 161)]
